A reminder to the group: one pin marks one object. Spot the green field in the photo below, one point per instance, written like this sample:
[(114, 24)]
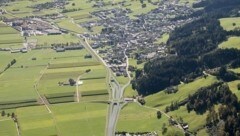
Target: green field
[(228, 23), (195, 121), (129, 92), (8, 128), (161, 100), (9, 37), (135, 118), (163, 39), (70, 26), (80, 119), (234, 89), (232, 42), (47, 40)]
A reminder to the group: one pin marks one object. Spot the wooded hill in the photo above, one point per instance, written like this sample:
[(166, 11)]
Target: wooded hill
[(196, 46)]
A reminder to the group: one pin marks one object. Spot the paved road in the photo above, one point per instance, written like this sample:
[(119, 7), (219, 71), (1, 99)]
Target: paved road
[(116, 93)]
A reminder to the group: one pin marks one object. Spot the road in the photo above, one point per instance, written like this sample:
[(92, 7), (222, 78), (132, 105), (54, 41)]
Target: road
[(116, 99)]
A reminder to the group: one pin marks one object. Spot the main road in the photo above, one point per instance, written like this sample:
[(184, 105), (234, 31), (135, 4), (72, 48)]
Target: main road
[(116, 98)]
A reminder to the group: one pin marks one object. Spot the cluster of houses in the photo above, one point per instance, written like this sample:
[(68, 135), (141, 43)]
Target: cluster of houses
[(135, 37), (48, 5), (136, 134), (33, 26)]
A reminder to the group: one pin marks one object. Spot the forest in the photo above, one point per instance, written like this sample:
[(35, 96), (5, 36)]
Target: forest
[(196, 46)]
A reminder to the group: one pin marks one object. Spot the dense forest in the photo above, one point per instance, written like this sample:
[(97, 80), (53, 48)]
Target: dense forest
[(224, 122), (196, 47)]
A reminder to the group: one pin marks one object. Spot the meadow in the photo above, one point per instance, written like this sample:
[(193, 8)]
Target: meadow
[(8, 128), (68, 24), (47, 40), (228, 23), (161, 100), (78, 119), (136, 118), (232, 42), (9, 37)]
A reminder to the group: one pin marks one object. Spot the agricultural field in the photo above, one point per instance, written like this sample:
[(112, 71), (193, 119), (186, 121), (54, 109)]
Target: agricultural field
[(78, 119), (18, 9), (9, 37), (230, 23), (136, 118), (161, 100), (8, 128), (47, 40), (232, 42)]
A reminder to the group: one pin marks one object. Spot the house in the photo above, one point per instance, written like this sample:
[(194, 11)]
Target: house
[(60, 49), (23, 50)]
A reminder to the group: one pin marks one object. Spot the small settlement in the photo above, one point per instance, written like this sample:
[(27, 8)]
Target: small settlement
[(127, 36)]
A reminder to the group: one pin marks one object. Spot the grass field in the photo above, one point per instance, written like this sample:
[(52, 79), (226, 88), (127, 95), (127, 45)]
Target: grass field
[(47, 40), (232, 42), (163, 39), (7, 128), (129, 92), (82, 119), (36, 121), (195, 121), (135, 118), (161, 100), (234, 89), (70, 26), (9, 37), (228, 23), (17, 83), (77, 119)]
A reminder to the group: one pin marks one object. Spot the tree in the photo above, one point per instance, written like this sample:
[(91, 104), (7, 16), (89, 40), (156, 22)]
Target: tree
[(3, 113), (159, 114), (72, 82), (238, 86), (73, 4), (13, 115), (164, 129), (144, 5), (234, 24), (88, 70)]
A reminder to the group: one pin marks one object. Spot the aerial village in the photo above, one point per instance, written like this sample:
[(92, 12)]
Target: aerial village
[(131, 36)]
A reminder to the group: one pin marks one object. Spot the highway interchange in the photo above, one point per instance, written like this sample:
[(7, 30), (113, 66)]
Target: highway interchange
[(116, 90)]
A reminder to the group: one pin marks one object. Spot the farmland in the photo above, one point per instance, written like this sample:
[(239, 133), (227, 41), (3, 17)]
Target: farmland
[(80, 118), (47, 40), (9, 37), (7, 128)]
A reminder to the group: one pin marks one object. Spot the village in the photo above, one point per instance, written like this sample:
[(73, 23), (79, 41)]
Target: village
[(134, 37)]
